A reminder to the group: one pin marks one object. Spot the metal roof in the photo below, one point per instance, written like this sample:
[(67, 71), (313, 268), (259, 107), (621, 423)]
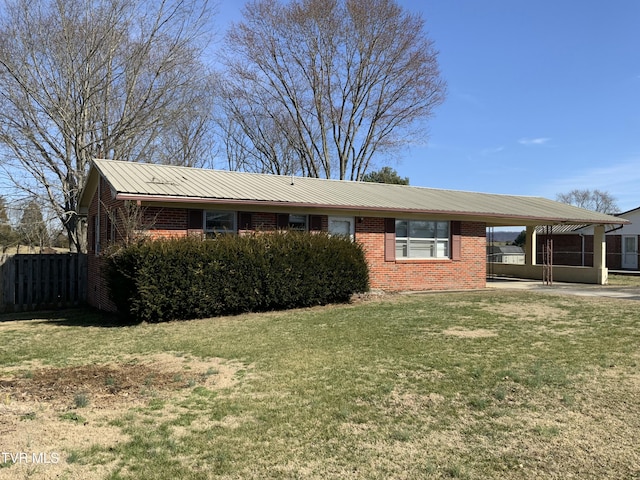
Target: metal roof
[(508, 249), (165, 183)]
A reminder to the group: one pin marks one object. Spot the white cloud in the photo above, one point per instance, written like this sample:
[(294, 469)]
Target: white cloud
[(533, 141), (491, 151)]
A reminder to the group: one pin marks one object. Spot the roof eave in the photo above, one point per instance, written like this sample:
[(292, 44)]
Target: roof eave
[(475, 216)]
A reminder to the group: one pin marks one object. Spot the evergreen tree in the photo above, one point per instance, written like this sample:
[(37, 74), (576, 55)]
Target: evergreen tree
[(521, 239), (7, 234), (385, 175), (32, 229)]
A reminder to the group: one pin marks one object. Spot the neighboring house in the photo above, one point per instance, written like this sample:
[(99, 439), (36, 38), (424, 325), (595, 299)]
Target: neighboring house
[(622, 243), (505, 254), (573, 244), (414, 238)]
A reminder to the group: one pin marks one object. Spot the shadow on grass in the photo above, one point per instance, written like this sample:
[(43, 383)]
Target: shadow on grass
[(71, 317)]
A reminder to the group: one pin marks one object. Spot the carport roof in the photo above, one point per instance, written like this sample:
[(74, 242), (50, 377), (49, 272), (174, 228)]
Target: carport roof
[(170, 184)]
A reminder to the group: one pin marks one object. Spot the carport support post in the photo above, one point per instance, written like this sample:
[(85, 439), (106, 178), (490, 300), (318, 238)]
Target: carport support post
[(600, 255), (530, 246)]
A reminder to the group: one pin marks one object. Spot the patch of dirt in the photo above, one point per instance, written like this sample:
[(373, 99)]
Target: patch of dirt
[(44, 415), (108, 384), (533, 312), (373, 295), (464, 333), (104, 384)]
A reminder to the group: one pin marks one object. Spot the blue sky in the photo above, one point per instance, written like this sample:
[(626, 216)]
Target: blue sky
[(543, 97)]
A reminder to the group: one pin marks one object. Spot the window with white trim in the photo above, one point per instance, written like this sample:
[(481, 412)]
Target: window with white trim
[(344, 226), (219, 222), (422, 239)]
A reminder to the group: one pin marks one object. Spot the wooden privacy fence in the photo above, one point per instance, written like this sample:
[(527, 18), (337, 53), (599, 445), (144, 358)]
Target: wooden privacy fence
[(42, 281)]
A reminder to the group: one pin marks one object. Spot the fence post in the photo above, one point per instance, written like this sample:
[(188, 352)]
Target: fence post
[(83, 277), (6, 283), (2, 281), (9, 284)]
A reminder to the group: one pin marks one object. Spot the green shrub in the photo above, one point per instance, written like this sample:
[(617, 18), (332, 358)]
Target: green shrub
[(186, 278)]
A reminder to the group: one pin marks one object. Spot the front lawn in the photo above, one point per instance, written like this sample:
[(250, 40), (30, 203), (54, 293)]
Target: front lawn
[(489, 384), (629, 280)]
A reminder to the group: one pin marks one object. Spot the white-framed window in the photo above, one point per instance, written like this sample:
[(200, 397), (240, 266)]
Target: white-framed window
[(344, 226), (422, 239), (219, 222)]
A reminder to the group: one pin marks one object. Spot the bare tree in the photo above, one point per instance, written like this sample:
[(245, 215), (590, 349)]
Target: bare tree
[(595, 200), (251, 131), (81, 79), (338, 80), (130, 221)]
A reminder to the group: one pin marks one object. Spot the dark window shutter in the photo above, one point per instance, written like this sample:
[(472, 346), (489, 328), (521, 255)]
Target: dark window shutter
[(315, 223), (108, 228), (92, 234), (195, 220), (283, 220), (244, 221), (389, 239), (456, 240)]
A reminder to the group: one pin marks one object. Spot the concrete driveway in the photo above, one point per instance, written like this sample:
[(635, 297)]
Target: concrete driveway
[(559, 288)]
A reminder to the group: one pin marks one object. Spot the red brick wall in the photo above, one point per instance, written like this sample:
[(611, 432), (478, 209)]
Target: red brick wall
[(567, 249), (266, 222), (97, 293), (410, 275), (614, 252), (414, 275)]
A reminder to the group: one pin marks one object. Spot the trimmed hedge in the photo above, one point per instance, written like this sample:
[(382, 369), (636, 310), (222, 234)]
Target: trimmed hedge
[(177, 279)]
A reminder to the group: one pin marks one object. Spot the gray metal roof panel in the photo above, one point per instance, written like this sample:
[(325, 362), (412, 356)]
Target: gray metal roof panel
[(157, 181)]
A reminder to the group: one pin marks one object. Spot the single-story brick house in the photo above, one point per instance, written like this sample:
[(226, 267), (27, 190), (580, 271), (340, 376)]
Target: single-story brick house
[(415, 238), (573, 244)]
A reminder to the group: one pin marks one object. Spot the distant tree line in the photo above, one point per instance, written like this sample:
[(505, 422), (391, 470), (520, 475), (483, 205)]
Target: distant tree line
[(31, 230)]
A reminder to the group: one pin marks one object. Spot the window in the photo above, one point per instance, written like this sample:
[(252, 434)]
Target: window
[(219, 222), (344, 226), (422, 239), (298, 222), (292, 222)]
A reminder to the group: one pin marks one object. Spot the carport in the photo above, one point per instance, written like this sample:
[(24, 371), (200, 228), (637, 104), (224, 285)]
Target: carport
[(547, 272)]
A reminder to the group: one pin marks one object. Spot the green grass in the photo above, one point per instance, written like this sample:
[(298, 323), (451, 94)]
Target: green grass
[(624, 280), (80, 400), (72, 417), (497, 385)]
